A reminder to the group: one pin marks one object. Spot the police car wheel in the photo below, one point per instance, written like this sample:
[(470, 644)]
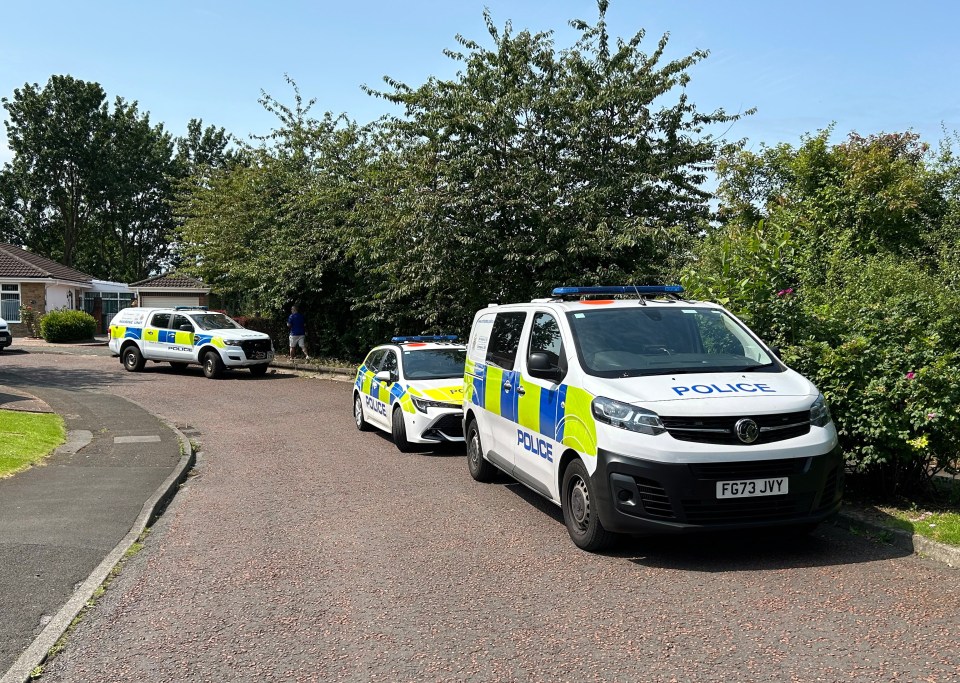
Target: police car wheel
[(133, 360), (398, 429), (579, 510), (362, 424), (212, 365), (480, 469)]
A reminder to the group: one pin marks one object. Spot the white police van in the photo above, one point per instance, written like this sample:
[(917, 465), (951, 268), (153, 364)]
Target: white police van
[(412, 388), (638, 411), (188, 335)]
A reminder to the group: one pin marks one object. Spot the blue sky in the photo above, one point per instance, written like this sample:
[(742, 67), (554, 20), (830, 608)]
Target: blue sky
[(870, 66)]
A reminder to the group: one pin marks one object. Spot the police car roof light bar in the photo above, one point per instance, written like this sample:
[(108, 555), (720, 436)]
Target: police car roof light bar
[(426, 338), (636, 290), (190, 308)]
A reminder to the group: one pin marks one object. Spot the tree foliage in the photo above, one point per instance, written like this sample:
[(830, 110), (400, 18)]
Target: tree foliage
[(90, 184)]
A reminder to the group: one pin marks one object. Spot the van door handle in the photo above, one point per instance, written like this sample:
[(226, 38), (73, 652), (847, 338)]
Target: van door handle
[(507, 386), (521, 391)]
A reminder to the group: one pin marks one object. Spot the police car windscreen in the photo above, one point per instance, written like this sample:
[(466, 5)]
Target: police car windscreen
[(655, 340), (215, 321), (434, 363)]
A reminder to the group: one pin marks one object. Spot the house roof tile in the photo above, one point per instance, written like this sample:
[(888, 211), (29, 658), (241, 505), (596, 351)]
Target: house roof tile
[(16, 262), (171, 281)]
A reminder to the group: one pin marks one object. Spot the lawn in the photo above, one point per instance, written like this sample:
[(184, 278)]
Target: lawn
[(26, 438), (940, 525)]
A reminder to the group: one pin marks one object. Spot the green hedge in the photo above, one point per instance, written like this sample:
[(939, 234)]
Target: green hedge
[(65, 326)]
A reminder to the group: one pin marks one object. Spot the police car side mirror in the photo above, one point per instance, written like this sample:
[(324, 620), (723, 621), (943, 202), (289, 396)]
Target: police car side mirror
[(538, 365), (186, 328), (385, 376)]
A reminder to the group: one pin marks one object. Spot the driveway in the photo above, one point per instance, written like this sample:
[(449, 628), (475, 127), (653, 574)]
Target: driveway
[(303, 550)]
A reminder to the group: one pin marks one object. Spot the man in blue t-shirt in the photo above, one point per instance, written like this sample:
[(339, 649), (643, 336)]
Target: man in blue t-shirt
[(298, 332)]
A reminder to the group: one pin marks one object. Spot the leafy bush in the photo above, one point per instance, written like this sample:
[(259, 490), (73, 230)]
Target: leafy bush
[(67, 325), (277, 329)]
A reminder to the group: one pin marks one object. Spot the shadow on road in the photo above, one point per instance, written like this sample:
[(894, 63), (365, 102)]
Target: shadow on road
[(773, 549), (439, 450)]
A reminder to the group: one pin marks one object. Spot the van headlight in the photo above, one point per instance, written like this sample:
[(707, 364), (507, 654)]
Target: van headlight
[(820, 413), (626, 416), (233, 342)]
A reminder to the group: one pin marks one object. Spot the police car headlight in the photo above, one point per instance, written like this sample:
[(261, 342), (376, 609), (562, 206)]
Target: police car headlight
[(820, 412), (626, 416), (233, 342), (422, 404)]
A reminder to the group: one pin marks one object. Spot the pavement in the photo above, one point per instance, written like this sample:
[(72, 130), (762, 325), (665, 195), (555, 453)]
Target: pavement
[(65, 524)]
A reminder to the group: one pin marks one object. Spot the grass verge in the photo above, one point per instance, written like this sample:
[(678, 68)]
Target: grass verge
[(939, 525), (26, 438)]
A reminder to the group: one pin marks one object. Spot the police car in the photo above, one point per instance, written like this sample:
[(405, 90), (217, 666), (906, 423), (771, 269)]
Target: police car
[(636, 411), (413, 389), (187, 335)]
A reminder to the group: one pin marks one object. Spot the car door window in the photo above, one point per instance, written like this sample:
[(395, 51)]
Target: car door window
[(545, 338), (373, 360), (390, 363), (178, 321), (505, 339), (161, 320)]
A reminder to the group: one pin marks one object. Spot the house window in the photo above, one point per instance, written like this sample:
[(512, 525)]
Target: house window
[(10, 303)]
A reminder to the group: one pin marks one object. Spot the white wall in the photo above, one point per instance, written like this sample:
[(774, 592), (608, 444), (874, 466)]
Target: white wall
[(57, 297)]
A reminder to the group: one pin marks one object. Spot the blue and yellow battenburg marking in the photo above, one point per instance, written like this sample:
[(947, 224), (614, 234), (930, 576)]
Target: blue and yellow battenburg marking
[(561, 413), (155, 334), (398, 393)]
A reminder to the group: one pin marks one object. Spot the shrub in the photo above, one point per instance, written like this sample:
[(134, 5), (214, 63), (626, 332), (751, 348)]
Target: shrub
[(66, 325)]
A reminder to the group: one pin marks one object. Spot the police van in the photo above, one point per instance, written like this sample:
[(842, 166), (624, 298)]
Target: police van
[(636, 411), (412, 388), (188, 335)]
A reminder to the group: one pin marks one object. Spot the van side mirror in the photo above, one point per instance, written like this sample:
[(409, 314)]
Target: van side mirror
[(538, 365), (186, 328)]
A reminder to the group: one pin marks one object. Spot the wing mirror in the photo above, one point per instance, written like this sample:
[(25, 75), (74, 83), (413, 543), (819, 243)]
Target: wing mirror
[(386, 376), (538, 365)]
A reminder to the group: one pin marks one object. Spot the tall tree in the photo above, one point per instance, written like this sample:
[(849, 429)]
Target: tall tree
[(533, 167), (89, 183)]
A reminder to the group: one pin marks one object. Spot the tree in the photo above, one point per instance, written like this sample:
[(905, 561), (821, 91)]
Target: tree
[(89, 184), (532, 168)]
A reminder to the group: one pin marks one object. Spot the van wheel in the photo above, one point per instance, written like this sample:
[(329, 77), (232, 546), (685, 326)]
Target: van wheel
[(399, 431), (362, 424), (579, 504), (480, 469), (133, 360), (212, 365), (259, 370)]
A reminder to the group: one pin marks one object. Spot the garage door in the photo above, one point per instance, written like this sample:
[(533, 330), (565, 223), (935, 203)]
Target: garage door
[(167, 301)]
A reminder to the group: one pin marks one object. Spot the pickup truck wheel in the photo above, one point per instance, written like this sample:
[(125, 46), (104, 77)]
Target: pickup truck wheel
[(259, 370), (398, 430), (579, 504), (480, 469), (133, 360), (212, 365)]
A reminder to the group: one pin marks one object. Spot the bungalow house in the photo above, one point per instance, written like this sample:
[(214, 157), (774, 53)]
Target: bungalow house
[(170, 290), (30, 280)]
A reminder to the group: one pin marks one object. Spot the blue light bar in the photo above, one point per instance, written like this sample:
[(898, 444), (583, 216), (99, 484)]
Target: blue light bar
[(426, 338), (619, 289)]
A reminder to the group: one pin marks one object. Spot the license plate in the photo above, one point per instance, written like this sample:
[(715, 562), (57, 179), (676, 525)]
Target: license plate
[(752, 487), (260, 354)]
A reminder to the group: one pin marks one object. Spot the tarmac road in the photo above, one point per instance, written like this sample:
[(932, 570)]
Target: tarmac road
[(303, 550)]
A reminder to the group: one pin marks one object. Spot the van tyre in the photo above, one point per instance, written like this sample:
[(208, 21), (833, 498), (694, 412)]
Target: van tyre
[(133, 360), (579, 504), (480, 469), (358, 419), (398, 429), (212, 365)]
